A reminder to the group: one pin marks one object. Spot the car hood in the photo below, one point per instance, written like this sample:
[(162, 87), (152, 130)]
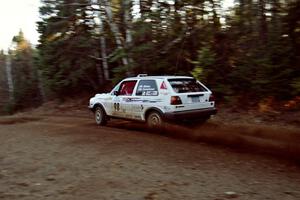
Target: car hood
[(99, 98), (102, 95)]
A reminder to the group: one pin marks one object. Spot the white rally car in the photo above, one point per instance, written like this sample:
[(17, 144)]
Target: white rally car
[(154, 100)]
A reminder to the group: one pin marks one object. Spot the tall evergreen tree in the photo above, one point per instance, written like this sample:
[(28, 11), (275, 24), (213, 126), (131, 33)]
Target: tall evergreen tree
[(68, 49), (25, 81)]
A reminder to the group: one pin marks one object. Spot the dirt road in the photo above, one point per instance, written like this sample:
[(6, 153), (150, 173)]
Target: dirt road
[(71, 158)]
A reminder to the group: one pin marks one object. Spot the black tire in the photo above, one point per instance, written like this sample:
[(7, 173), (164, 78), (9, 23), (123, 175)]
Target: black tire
[(155, 121), (100, 116)]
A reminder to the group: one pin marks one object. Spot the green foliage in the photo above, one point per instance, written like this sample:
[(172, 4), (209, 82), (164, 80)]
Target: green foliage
[(9, 108), (254, 53), (24, 73), (68, 51), (204, 64), (117, 55), (262, 58), (296, 86)]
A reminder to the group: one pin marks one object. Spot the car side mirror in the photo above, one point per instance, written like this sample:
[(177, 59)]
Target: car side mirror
[(116, 93)]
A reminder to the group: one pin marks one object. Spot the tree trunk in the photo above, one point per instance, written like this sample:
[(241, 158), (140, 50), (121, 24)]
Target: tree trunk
[(41, 86), (3, 82), (215, 15), (145, 8), (127, 22), (128, 27), (263, 21), (9, 78), (103, 47), (116, 32)]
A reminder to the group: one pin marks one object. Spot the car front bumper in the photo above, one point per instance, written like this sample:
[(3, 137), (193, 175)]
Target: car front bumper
[(191, 114)]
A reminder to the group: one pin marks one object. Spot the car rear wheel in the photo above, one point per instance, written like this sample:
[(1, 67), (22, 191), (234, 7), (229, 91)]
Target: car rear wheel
[(154, 120), (100, 116)]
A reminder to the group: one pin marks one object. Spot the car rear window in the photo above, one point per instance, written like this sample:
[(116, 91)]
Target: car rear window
[(186, 85)]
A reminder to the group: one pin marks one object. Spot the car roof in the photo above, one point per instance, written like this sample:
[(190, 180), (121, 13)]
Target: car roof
[(158, 77)]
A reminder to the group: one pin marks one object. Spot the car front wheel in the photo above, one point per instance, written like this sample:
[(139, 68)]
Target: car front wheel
[(100, 116)]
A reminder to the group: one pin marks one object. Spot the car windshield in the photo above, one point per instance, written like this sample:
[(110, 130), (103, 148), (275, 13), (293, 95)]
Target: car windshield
[(186, 85)]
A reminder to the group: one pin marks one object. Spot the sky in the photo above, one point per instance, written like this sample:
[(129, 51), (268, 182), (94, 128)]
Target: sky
[(16, 15)]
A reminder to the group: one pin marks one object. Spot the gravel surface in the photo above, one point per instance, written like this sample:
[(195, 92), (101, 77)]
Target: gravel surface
[(71, 158)]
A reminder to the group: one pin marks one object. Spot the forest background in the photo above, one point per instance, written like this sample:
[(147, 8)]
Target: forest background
[(246, 54)]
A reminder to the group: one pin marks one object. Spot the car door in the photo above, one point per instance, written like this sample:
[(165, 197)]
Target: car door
[(121, 102), (146, 96)]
